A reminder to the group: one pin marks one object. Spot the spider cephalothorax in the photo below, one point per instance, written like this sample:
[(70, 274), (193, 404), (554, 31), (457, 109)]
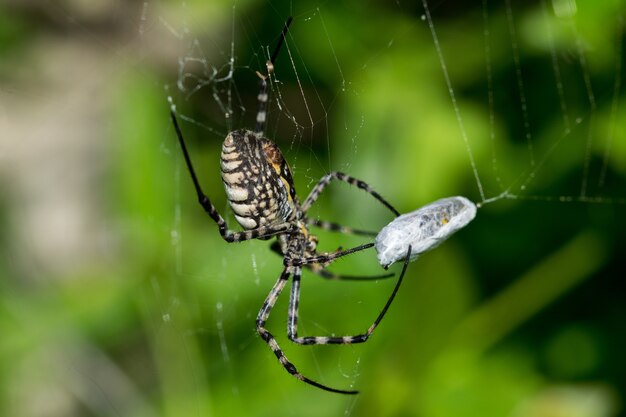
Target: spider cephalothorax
[(260, 191)]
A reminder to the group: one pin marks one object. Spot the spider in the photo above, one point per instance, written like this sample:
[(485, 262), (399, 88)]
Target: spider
[(261, 193)]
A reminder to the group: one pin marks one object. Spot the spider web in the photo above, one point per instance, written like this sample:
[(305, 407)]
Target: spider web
[(416, 119), (304, 114), (306, 124), (310, 124)]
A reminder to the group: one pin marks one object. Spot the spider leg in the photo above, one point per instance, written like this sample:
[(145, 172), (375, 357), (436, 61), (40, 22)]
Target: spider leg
[(292, 321), (227, 235), (334, 227), (319, 270), (326, 179), (263, 96), (324, 258), (261, 319)]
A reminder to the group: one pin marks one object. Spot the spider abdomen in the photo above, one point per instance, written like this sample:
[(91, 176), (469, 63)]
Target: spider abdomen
[(257, 180)]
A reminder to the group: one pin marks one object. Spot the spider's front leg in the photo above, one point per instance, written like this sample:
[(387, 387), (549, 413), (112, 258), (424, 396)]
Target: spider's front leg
[(324, 259), (340, 176), (318, 269), (334, 227), (228, 235), (294, 302)]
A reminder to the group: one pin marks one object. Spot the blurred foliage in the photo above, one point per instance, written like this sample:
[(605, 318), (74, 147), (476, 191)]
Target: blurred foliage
[(118, 297)]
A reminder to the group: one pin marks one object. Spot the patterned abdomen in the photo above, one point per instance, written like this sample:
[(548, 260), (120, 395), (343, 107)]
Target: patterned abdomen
[(257, 180)]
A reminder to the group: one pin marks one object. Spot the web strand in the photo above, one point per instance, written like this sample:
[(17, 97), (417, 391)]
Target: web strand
[(593, 107), (617, 85), (520, 82), (489, 74), (556, 69), (457, 110)]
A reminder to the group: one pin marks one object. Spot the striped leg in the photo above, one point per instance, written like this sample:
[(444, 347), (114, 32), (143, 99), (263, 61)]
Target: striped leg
[(294, 301), (261, 319), (334, 227), (227, 235), (326, 258), (263, 96), (326, 179), (319, 270)]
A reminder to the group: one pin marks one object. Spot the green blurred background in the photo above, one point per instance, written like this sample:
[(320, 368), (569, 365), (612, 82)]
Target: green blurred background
[(119, 298)]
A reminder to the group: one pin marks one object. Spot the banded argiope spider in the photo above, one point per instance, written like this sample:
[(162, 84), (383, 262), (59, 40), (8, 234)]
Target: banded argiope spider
[(261, 193)]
